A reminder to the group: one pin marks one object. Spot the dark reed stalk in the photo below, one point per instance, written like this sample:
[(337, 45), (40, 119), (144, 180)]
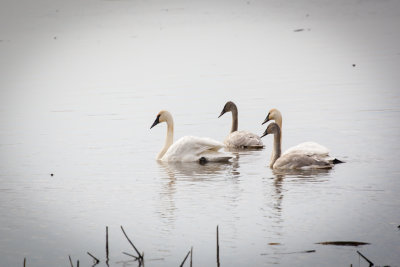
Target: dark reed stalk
[(70, 261), (130, 255), (191, 256), (94, 258), (365, 258), (137, 251), (218, 263), (107, 243), (183, 262)]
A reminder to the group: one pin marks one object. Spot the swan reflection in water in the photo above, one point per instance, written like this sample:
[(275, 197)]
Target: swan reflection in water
[(191, 172), (274, 198), (307, 173), (295, 177), (194, 171)]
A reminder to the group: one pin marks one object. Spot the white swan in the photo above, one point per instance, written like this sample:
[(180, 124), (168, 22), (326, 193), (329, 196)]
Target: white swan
[(239, 139), (188, 148), (293, 159), (306, 148)]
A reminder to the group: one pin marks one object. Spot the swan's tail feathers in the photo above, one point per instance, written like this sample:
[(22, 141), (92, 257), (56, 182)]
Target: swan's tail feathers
[(337, 161)]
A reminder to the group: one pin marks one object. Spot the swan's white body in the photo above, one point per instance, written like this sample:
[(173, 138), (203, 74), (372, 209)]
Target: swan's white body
[(243, 139), (310, 149), (192, 148), (239, 139), (188, 148)]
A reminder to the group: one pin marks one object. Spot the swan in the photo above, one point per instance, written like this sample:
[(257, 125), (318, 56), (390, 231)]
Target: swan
[(239, 139), (293, 159), (188, 148), (306, 148)]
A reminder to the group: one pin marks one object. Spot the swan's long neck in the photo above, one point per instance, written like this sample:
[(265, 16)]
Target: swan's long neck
[(276, 152), (278, 119), (169, 140), (234, 119)]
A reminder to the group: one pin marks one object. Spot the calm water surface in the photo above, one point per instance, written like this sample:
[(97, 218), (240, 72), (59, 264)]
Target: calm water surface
[(82, 83)]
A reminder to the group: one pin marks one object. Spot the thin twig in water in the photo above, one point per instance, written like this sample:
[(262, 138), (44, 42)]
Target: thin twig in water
[(24, 262), (70, 261), (130, 255), (94, 258), (77, 263), (137, 251), (365, 258), (218, 264), (183, 262), (107, 243), (191, 256)]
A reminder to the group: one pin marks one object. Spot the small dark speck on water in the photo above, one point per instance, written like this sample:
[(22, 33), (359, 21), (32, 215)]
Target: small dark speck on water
[(55, 37), (51, 174), (354, 65), (298, 30)]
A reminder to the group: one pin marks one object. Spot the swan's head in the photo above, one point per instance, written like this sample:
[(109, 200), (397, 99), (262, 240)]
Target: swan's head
[(229, 106), (273, 128), (273, 114), (162, 116)]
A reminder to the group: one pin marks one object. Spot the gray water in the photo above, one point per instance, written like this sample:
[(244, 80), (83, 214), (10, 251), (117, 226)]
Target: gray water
[(81, 84)]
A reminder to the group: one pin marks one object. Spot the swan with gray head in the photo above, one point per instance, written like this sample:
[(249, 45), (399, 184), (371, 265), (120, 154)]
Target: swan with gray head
[(239, 139), (292, 160), (188, 148), (312, 149)]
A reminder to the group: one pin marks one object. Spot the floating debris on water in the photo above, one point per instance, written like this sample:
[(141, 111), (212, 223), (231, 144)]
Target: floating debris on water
[(274, 244), (294, 252), (343, 243)]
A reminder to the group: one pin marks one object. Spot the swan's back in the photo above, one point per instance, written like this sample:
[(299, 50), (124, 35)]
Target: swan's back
[(301, 161), (243, 139), (192, 148), (311, 149)]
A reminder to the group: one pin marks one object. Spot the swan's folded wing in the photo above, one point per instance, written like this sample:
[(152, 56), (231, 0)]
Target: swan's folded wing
[(243, 139), (301, 161), (192, 148), (309, 149)]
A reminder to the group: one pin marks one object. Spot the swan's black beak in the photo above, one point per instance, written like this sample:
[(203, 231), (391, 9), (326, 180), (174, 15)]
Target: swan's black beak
[(266, 119), (157, 121), (222, 113), (264, 134)]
